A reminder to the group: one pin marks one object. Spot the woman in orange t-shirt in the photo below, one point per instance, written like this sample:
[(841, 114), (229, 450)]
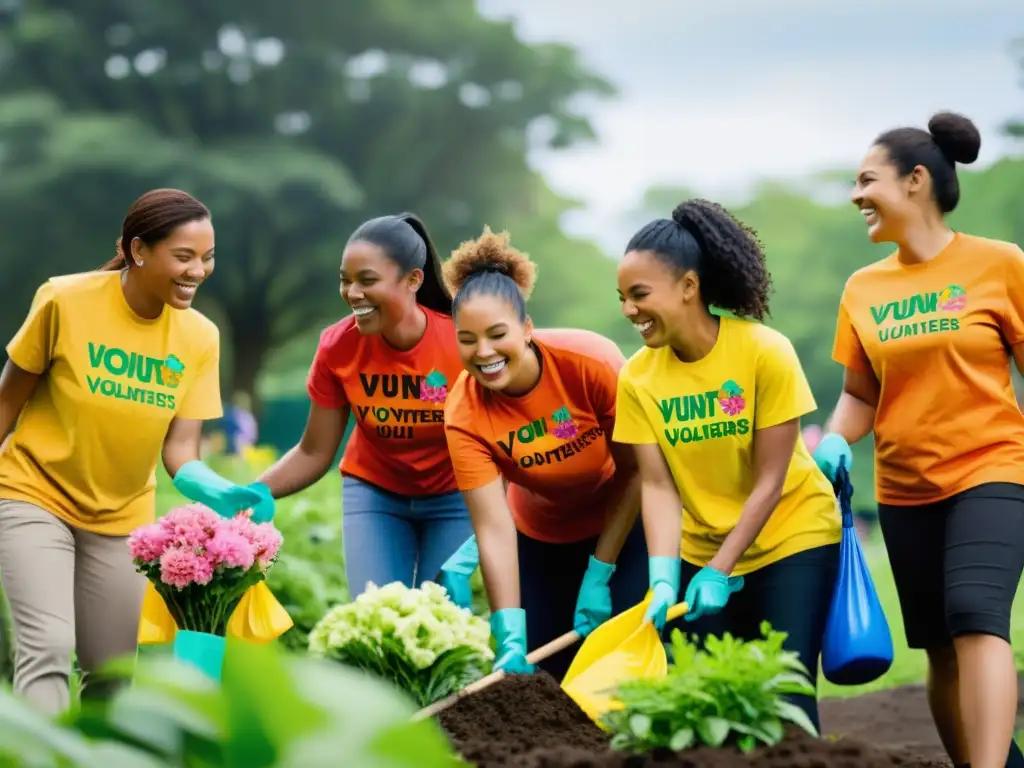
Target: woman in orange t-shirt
[(536, 409), (388, 364), (927, 336)]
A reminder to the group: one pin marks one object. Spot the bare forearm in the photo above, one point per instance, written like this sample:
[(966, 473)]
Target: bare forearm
[(499, 562), (852, 418), (663, 523), (755, 513), (624, 506), (295, 471)]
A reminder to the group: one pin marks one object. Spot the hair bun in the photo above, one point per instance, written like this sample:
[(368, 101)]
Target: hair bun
[(957, 136), (491, 252)]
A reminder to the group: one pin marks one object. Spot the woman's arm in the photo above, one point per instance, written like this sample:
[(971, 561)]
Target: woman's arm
[(16, 387), (308, 461), (497, 542), (854, 414), (773, 452), (659, 500), (181, 445), (624, 504)]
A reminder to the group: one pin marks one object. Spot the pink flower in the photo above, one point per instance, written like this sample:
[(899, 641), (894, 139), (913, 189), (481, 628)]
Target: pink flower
[(267, 541), (231, 549), (148, 542), (205, 566), (179, 567), (191, 525)]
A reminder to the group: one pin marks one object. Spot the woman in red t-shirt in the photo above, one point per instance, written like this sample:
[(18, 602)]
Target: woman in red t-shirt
[(389, 364)]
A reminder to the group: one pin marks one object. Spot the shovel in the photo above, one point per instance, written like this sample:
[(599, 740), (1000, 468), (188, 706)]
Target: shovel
[(623, 648), (539, 654)]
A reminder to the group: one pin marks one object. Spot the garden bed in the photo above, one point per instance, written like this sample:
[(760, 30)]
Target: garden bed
[(528, 722)]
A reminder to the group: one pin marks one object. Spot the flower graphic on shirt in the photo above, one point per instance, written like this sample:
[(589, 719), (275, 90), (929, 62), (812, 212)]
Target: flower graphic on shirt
[(952, 299), (565, 427), (172, 371), (434, 388), (730, 398)]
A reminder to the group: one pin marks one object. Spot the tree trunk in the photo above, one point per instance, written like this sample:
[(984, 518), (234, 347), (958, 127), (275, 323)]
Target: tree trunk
[(249, 348)]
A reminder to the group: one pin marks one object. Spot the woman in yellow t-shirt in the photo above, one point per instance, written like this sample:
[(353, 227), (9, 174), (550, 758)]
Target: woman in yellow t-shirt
[(712, 405), (110, 371), (926, 337)]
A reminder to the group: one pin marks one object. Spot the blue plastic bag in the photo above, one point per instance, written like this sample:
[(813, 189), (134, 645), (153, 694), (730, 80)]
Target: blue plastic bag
[(857, 646)]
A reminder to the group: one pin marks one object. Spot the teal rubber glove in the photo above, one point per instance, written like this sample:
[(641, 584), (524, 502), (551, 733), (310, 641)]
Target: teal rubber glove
[(664, 581), (509, 628), (263, 511), (831, 451), (456, 572), (198, 482), (594, 603), (709, 591)]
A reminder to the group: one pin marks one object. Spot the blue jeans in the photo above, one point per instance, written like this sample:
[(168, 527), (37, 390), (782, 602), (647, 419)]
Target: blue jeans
[(389, 538)]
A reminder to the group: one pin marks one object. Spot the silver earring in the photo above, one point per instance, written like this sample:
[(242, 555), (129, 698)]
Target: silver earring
[(138, 262)]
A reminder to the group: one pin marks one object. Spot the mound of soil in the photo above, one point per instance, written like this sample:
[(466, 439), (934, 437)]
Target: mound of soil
[(529, 722)]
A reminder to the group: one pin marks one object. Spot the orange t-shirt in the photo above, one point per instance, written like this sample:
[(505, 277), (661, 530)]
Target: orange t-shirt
[(935, 334), (398, 401), (552, 444)]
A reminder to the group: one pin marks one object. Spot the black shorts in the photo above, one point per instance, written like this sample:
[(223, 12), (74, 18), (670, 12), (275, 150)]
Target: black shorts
[(957, 563)]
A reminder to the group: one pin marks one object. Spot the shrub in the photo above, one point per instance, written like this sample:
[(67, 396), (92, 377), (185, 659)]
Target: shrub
[(731, 691), (416, 638)]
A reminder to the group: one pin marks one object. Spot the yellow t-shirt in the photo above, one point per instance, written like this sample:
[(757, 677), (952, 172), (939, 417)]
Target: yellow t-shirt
[(703, 415), (87, 442)]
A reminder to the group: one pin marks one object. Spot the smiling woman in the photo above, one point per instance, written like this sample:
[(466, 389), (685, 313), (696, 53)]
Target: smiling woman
[(534, 410), (110, 371), (926, 337), (388, 364), (712, 408)]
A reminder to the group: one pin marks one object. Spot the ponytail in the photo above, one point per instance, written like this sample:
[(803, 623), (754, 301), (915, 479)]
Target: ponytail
[(432, 294), (119, 262)]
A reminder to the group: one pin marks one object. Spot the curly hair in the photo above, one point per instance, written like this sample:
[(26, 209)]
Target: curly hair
[(725, 253), (490, 266)]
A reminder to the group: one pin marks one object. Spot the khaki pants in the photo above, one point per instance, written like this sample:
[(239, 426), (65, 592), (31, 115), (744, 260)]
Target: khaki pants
[(69, 590)]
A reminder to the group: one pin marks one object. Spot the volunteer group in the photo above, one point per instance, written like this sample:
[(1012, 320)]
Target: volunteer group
[(575, 479)]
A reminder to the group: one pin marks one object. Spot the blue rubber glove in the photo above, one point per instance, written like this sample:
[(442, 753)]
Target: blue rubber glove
[(709, 591), (456, 572), (509, 628), (830, 451), (664, 582), (198, 482), (594, 603), (263, 511)]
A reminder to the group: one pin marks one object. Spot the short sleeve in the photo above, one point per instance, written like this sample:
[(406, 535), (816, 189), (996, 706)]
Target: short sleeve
[(32, 346), (471, 458), (603, 376), (323, 386), (203, 401), (782, 390), (631, 423), (1013, 315), (846, 348)]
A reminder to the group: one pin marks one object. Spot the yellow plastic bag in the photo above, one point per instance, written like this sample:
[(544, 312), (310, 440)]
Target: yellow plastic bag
[(258, 617)]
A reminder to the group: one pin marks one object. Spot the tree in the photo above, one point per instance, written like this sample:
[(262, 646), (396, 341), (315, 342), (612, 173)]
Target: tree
[(295, 122)]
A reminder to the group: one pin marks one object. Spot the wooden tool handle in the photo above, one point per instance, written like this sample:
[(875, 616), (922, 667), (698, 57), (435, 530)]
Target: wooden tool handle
[(556, 645)]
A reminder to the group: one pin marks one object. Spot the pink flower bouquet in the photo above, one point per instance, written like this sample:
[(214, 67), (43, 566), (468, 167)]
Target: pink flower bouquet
[(201, 564)]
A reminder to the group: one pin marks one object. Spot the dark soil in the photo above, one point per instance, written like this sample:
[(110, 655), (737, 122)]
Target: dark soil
[(528, 722)]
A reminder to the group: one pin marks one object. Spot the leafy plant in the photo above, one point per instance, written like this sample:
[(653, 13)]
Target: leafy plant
[(416, 638), (273, 710), (730, 692)]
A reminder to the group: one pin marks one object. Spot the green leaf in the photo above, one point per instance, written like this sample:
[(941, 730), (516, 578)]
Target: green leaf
[(640, 725), (789, 711), (682, 739), (713, 731)]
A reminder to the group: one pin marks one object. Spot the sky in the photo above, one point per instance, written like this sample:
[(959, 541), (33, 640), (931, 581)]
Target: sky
[(716, 96)]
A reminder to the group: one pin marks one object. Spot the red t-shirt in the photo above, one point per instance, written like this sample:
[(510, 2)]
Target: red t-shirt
[(553, 444), (398, 400)]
